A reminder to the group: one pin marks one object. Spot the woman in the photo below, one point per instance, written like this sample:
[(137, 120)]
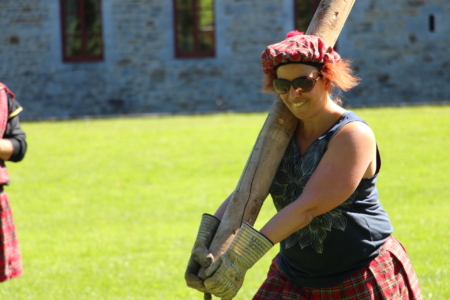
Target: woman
[(335, 238)]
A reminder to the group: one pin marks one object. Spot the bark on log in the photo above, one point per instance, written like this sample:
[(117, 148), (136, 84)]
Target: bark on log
[(258, 174)]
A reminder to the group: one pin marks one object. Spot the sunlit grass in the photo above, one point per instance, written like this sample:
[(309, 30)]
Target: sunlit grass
[(109, 209)]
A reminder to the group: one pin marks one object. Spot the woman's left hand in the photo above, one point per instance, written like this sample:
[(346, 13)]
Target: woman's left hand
[(226, 274)]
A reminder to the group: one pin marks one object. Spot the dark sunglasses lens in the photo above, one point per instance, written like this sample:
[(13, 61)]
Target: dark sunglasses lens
[(281, 86), (306, 83)]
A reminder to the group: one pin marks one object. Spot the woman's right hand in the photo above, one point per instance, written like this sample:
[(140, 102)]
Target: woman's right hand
[(200, 255)]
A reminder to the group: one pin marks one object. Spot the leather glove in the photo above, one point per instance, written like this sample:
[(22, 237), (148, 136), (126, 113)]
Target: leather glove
[(228, 270), (200, 256)]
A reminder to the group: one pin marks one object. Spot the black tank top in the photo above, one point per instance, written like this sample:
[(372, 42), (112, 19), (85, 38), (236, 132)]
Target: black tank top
[(340, 242)]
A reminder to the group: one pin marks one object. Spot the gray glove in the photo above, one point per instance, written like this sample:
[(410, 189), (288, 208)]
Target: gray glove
[(200, 255), (228, 270)]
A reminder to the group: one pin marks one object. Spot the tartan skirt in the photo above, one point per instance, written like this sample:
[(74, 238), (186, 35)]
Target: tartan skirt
[(389, 276), (10, 258)]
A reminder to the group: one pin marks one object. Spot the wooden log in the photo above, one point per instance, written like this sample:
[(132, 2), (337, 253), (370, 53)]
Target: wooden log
[(253, 186)]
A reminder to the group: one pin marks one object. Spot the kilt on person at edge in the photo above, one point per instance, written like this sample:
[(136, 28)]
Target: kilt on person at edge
[(335, 238), (13, 147)]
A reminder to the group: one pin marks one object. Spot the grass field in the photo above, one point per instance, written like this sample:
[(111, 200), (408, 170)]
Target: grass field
[(109, 209)]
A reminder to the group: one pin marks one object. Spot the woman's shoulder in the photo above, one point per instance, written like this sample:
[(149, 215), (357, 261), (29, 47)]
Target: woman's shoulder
[(349, 123), (349, 116), (352, 130)]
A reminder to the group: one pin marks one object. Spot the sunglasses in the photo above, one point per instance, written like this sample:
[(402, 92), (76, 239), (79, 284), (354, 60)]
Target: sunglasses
[(305, 83)]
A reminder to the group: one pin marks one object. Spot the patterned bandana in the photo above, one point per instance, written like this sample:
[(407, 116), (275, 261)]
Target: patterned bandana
[(298, 48)]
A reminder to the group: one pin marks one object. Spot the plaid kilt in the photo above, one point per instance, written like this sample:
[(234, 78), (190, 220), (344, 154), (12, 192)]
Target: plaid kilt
[(10, 258), (389, 276)]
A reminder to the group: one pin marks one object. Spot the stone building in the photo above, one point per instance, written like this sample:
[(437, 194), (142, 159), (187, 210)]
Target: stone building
[(71, 58)]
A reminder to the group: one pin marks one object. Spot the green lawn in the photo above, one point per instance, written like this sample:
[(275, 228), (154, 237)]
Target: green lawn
[(109, 209)]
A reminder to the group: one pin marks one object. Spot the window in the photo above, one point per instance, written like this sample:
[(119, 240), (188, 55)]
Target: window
[(304, 12), (81, 28), (431, 23), (194, 28)]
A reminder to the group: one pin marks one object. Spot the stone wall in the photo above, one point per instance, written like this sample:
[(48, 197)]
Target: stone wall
[(399, 59), (394, 52)]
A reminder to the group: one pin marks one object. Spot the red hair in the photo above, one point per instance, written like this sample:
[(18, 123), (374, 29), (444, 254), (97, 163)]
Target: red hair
[(339, 74)]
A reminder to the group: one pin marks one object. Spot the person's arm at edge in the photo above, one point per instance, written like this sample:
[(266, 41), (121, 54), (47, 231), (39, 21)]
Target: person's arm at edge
[(6, 149), (13, 145)]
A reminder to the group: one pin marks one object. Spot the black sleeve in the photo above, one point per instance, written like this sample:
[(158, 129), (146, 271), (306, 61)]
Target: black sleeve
[(14, 132)]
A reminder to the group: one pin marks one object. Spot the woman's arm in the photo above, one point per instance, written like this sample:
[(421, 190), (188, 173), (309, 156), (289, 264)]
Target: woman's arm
[(13, 145), (6, 149), (350, 154), (222, 208)]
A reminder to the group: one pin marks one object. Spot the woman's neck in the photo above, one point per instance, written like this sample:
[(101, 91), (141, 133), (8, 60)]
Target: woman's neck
[(315, 126)]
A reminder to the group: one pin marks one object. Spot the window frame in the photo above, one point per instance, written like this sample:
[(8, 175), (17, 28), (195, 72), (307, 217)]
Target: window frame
[(315, 6), (196, 53), (84, 57), (296, 8)]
